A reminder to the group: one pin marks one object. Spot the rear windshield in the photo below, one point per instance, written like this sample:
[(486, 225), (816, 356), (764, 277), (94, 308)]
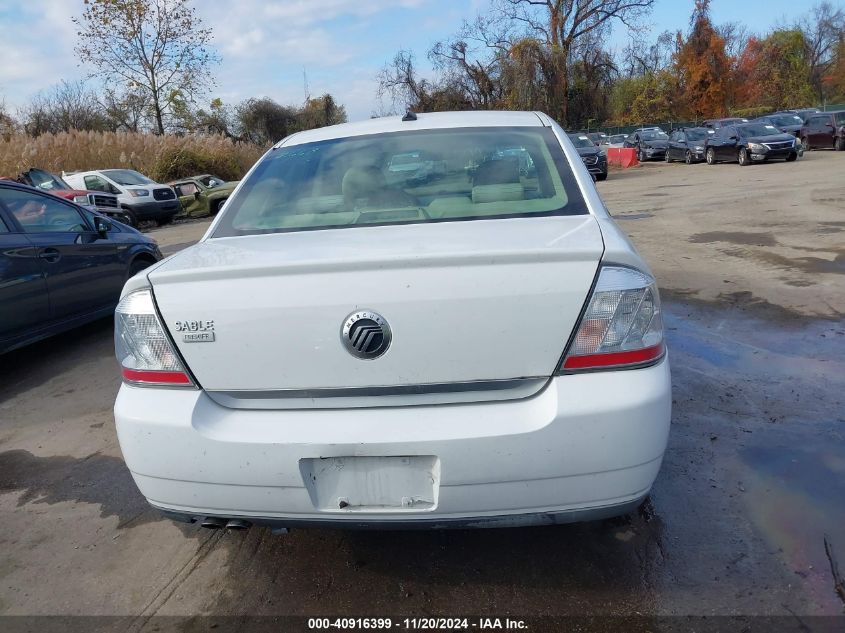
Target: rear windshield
[(404, 178)]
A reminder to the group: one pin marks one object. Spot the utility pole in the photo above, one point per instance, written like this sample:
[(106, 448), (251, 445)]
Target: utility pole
[(305, 85)]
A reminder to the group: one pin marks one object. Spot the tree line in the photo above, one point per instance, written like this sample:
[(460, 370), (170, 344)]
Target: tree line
[(552, 55), (153, 69), (153, 66)]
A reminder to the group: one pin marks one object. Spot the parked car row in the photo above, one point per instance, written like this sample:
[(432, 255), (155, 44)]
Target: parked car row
[(131, 197), (785, 134)]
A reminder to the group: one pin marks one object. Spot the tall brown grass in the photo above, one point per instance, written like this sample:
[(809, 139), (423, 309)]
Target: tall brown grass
[(160, 157)]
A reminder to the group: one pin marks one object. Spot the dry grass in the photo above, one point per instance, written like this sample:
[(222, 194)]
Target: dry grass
[(147, 153)]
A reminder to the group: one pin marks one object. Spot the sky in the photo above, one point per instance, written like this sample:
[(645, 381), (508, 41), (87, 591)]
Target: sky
[(340, 45)]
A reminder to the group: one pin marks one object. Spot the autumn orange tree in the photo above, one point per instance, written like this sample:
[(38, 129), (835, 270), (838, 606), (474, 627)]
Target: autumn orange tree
[(703, 67)]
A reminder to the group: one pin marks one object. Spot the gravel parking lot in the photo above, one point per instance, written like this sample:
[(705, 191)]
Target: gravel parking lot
[(746, 517)]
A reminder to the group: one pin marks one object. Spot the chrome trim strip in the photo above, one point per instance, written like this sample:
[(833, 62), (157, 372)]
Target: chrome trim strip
[(395, 390), (381, 396)]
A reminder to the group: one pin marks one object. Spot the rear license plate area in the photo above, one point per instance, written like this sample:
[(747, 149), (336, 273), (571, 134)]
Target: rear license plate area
[(372, 484)]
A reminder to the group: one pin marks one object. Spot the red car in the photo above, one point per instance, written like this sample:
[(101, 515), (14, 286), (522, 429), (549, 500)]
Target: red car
[(104, 203), (824, 130)]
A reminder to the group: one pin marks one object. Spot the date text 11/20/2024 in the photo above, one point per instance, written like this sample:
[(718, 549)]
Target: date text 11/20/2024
[(418, 624)]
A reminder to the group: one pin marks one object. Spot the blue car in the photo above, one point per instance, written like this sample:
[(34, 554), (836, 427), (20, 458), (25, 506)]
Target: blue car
[(60, 265)]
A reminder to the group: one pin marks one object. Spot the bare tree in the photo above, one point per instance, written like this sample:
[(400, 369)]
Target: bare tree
[(158, 48), (127, 110), (823, 28), (561, 23), (640, 58), (400, 81), (64, 107), (7, 123)]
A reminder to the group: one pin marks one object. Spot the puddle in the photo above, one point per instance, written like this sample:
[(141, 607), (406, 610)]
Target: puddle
[(768, 395), (734, 237), (835, 266), (98, 479), (633, 216)]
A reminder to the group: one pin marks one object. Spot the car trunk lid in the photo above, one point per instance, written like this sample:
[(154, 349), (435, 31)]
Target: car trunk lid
[(465, 301)]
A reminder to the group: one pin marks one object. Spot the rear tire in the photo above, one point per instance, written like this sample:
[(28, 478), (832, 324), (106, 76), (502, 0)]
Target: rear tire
[(742, 157), (601, 176), (711, 156), (165, 220), (839, 145)]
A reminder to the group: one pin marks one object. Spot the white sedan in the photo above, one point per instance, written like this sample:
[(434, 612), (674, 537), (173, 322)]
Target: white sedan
[(356, 347)]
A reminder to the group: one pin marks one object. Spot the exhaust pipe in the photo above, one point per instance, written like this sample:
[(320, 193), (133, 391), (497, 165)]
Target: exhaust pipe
[(213, 523), (238, 524)]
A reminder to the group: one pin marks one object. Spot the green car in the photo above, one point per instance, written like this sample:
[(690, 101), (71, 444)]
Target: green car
[(202, 195)]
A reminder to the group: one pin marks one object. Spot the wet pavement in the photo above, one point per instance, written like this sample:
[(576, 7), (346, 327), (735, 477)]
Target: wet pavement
[(752, 485), (746, 517)]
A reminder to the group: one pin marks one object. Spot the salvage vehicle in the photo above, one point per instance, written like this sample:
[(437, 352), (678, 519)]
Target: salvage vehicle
[(824, 130), (99, 201), (61, 265), (141, 197), (650, 143), (594, 159), (202, 195), (748, 143), (482, 349), (687, 144)]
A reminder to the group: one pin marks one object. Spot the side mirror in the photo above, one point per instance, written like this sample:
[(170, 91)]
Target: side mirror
[(102, 226), (196, 195)]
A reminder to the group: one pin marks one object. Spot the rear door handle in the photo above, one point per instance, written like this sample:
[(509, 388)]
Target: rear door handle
[(51, 255)]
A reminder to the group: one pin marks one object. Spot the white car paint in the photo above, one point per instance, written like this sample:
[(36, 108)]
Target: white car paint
[(464, 420)]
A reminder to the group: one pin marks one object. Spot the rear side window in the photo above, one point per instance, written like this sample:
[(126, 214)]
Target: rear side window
[(405, 178), (41, 213)]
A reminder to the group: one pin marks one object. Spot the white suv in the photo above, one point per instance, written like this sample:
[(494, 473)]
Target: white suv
[(141, 197), (347, 347)]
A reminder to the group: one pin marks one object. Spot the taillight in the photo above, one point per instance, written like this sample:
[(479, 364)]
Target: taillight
[(143, 350), (622, 326)]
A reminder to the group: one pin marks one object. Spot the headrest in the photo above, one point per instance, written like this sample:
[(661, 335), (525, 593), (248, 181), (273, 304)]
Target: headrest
[(498, 193), (361, 182), (497, 172)]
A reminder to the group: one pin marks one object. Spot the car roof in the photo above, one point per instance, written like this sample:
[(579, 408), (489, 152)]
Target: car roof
[(423, 121)]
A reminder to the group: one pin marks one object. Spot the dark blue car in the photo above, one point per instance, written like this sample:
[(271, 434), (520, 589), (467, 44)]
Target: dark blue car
[(60, 265)]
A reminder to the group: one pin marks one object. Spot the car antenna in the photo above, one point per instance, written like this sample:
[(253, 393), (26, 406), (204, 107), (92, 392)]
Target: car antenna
[(409, 116)]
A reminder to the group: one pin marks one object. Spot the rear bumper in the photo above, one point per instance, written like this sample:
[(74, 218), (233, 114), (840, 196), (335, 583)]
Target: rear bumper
[(588, 446)]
